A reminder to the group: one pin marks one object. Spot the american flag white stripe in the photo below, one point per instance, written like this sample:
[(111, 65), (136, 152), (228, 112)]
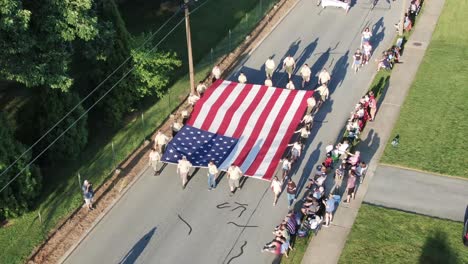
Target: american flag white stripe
[(279, 137), (205, 110), (250, 124), (218, 120), (266, 129)]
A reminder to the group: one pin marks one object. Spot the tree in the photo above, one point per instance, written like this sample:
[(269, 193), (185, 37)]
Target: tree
[(52, 105), (18, 197), (36, 39), (152, 71)]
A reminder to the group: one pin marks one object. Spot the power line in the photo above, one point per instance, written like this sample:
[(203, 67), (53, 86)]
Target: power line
[(92, 106), (87, 96)]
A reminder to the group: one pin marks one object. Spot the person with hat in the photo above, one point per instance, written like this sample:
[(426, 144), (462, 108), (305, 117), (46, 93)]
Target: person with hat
[(88, 194), (183, 168)]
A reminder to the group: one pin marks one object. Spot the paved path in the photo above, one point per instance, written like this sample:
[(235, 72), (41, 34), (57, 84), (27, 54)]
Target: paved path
[(144, 226), (419, 192), (327, 246)]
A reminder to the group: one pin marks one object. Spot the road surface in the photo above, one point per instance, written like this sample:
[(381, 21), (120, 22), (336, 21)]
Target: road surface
[(145, 226)]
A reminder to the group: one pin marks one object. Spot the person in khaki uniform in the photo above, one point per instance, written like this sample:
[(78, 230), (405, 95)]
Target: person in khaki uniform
[(324, 77), (183, 169), (154, 158), (242, 78), (269, 67), (305, 73), (234, 174), (288, 65), (160, 141)]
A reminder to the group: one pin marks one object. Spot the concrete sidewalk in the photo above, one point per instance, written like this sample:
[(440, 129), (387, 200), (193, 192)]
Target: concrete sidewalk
[(326, 247)]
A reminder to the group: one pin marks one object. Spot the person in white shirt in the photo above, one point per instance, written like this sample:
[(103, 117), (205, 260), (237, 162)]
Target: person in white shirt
[(269, 67), (212, 174), (307, 120), (192, 99), (305, 132), (324, 77), (183, 168), (176, 127), (366, 36), (310, 105), (268, 82), (305, 73), (276, 188), (216, 73), (295, 151), (160, 141), (323, 91), (290, 85), (201, 88), (234, 174), (342, 147), (288, 65), (154, 158), (286, 167), (242, 78), (367, 48)]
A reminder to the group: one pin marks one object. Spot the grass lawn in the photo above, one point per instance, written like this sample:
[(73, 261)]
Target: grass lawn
[(382, 235), (433, 123), (62, 194)]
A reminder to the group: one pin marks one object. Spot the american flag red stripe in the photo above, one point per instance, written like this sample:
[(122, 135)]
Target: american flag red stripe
[(262, 118)]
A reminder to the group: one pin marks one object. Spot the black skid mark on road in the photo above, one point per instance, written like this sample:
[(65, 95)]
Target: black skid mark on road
[(240, 254), (190, 231), (243, 210), (222, 205), (241, 204), (243, 226)]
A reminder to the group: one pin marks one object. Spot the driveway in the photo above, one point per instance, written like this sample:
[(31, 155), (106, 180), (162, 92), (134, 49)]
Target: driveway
[(419, 192)]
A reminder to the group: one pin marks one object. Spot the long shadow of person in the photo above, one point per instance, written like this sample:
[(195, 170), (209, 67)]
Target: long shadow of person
[(138, 248), (319, 65), (339, 72), (378, 33), (278, 79)]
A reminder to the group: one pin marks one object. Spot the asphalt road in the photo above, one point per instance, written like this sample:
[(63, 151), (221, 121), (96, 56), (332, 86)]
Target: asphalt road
[(418, 192), (145, 227)]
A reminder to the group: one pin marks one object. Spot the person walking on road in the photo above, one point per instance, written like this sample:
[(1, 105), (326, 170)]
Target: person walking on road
[(350, 186), (212, 174), (357, 60), (289, 64), (183, 169), (269, 67), (324, 77), (268, 82), (216, 73), (291, 192), (323, 92), (154, 158), (286, 167), (276, 188), (160, 141), (88, 194), (329, 209), (234, 174), (242, 78), (290, 85), (305, 73)]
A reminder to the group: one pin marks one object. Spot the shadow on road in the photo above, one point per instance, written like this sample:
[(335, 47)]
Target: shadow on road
[(138, 248)]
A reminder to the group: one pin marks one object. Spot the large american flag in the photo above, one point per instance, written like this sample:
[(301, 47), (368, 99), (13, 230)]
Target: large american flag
[(246, 124)]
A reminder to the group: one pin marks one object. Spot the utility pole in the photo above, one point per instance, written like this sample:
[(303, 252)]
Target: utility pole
[(402, 17), (189, 46)]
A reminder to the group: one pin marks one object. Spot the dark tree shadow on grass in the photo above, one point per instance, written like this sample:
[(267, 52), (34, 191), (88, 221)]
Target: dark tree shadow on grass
[(437, 250)]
